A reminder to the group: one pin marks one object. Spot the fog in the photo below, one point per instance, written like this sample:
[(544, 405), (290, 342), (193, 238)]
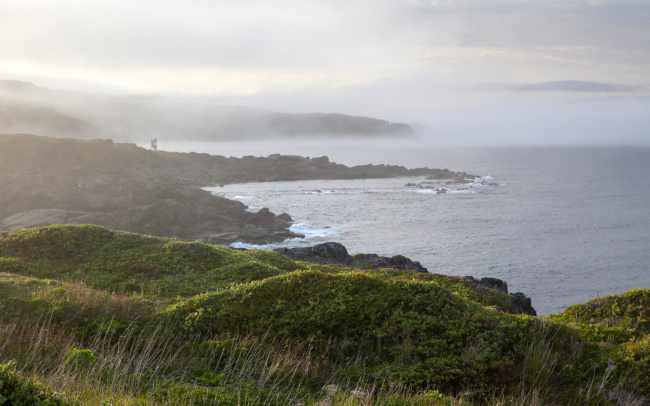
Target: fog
[(493, 72)]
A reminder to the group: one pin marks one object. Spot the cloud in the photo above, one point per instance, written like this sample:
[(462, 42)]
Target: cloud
[(455, 41), (563, 86), (406, 60)]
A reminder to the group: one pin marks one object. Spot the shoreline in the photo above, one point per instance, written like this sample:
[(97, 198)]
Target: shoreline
[(122, 186)]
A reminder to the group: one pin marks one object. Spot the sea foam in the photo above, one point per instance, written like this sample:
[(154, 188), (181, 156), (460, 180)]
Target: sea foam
[(306, 229)]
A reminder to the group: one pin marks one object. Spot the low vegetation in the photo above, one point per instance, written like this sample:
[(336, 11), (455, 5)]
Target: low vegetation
[(90, 316)]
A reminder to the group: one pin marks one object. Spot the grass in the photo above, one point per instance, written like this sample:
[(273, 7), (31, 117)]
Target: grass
[(94, 317), (130, 262)]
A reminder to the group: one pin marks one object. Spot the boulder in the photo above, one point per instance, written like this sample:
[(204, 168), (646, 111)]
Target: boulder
[(397, 262), (336, 253), (520, 303), (326, 253)]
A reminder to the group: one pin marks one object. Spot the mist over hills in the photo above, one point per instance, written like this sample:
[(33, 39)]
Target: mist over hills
[(27, 108)]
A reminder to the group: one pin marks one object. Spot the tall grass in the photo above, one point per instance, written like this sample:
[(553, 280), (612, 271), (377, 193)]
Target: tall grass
[(151, 367), (155, 364)]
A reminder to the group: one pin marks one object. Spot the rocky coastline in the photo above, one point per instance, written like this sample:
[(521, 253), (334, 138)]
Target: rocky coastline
[(124, 187), (48, 181)]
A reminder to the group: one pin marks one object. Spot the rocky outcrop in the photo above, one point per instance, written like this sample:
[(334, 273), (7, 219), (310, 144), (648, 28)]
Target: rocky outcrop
[(327, 253), (520, 303), (209, 170), (397, 262), (336, 253)]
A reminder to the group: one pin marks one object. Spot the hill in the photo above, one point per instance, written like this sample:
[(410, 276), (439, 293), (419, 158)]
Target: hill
[(102, 317), (26, 108)]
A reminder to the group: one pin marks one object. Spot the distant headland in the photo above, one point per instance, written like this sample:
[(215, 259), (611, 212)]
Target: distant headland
[(124, 187)]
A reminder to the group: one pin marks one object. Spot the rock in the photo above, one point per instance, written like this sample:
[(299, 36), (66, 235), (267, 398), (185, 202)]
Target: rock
[(322, 160), (285, 217), (398, 262), (326, 253), (336, 253), (520, 303), (492, 283)]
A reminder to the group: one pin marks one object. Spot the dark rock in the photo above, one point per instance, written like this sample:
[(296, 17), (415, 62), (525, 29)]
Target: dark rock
[(335, 253), (285, 217), (326, 253), (402, 263), (493, 283), (323, 160), (519, 302), (522, 304)]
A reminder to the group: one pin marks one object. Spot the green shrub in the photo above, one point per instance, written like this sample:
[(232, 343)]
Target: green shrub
[(413, 332), (19, 391), (80, 357)]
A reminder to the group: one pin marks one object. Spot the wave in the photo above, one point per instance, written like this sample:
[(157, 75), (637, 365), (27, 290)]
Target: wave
[(243, 245), (332, 192), (310, 232), (482, 181), (461, 189), (306, 229), (444, 191)]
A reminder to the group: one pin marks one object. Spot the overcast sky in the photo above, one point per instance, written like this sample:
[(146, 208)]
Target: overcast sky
[(409, 60)]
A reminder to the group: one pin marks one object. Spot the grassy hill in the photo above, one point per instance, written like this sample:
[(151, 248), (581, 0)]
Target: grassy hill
[(96, 317)]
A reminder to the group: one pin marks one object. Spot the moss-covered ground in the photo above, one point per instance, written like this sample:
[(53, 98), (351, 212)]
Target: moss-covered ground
[(95, 317)]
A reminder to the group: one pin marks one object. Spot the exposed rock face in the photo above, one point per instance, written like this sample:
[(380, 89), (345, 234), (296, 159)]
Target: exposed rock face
[(327, 253), (336, 253), (398, 262), (519, 301)]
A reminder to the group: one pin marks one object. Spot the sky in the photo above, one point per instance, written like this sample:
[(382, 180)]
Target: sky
[(440, 63)]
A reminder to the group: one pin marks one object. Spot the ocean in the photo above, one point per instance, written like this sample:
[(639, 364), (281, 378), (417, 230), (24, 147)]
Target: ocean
[(563, 225)]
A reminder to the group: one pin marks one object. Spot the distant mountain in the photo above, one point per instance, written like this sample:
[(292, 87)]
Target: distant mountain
[(26, 108)]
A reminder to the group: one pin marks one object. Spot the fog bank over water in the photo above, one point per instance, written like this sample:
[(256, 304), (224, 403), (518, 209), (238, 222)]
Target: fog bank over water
[(489, 72), (615, 121), (494, 116)]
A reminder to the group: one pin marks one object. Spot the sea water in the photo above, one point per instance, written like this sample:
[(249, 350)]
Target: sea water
[(562, 225)]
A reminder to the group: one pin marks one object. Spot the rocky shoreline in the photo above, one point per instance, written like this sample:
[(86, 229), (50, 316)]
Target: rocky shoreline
[(48, 181), (124, 187)]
